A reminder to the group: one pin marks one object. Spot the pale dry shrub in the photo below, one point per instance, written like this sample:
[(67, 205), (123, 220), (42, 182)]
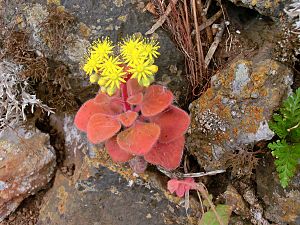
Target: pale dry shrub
[(16, 96)]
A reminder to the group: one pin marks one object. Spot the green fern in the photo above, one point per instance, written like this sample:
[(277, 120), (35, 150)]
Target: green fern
[(287, 127)]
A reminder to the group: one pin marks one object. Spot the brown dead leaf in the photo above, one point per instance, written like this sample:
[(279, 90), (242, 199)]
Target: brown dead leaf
[(150, 8)]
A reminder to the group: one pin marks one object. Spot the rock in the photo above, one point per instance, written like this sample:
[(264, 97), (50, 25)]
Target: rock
[(236, 202), (105, 198), (282, 206), (265, 7), (116, 19), (234, 112), (105, 192), (27, 164)]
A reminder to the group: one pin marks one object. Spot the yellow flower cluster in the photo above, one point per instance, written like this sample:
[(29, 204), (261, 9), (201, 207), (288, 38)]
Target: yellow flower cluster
[(136, 53)]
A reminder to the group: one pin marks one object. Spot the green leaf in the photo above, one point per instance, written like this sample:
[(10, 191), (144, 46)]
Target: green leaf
[(286, 161), (279, 126), (209, 218), (287, 127), (287, 122)]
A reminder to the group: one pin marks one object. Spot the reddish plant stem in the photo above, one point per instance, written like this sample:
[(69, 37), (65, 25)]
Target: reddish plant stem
[(124, 94)]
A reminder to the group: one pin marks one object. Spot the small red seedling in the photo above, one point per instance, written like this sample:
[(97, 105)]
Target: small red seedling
[(180, 187)]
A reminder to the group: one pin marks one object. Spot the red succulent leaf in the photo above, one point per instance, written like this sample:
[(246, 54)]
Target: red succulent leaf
[(156, 99), (87, 110), (116, 153), (133, 87), (127, 118), (167, 155), (102, 98), (135, 99), (181, 186), (139, 138), (111, 103), (116, 105), (102, 127), (173, 123)]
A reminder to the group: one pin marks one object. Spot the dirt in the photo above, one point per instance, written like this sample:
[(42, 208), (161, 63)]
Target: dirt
[(28, 212)]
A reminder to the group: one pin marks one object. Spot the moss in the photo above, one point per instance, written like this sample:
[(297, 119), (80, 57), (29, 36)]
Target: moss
[(56, 28), (48, 77)]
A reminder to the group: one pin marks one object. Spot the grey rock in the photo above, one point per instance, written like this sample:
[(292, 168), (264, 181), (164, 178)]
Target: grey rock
[(28, 165), (106, 198), (241, 78), (236, 119), (282, 206), (116, 19), (97, 195), (265, 7)]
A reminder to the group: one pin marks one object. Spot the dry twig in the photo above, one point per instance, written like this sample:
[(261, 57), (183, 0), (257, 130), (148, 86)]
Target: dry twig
[(161, 19), (185, 175), (210, 21), (215, 44)]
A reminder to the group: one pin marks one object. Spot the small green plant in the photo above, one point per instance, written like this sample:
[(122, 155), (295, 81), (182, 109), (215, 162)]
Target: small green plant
[(136, 120), (286, 125)]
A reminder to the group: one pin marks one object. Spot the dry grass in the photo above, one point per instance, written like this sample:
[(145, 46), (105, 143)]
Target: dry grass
[(50, 78), (56, 27), (184, 22)]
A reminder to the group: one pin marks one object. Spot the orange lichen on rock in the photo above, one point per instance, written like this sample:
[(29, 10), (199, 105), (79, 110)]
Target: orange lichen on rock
[(62, 195), (251, 122), (233, 112)]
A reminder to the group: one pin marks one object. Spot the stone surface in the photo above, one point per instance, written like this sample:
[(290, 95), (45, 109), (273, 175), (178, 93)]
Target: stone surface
[(235, 110), (265, 7), (236, 202), (106, 199), (27, 164), (96, 195), (116, 19), (282, 206)]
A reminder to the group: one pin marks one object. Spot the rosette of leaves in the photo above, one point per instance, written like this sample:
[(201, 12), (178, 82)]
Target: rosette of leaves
[(286, 150), (152, 128)]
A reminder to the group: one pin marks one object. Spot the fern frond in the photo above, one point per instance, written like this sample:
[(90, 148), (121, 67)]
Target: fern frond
[(291, 108), (286, 162), (287, 126), (279, 126)]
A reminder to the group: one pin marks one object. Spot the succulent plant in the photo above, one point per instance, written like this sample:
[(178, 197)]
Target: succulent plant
[(152, 128), (135, 118)]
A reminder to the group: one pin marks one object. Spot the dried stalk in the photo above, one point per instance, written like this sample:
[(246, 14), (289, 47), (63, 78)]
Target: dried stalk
[(202, 174), (161, 19), (208, 30), (181, 19), (203, 192), (210, 21), (185, 175), (198, 44), (214, 45)]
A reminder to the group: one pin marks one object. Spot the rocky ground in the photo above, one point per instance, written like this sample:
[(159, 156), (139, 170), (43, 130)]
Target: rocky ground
[(50, 174)]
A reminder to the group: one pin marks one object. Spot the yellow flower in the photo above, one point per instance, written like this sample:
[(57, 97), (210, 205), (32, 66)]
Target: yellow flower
[(131, 49), (110, 82), (144, 72), (110, 65), (94, 78), (150, 49), (98, 52), (91, 66), (101, 49), (135, 49)]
